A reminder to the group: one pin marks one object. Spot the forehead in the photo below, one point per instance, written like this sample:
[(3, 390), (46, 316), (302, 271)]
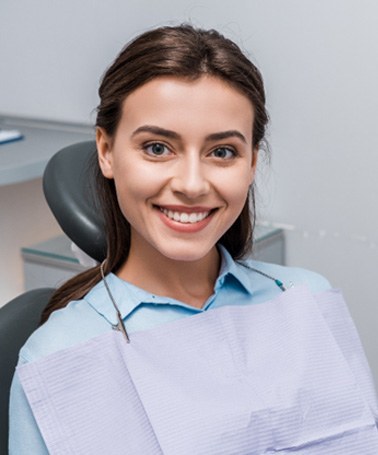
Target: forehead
[(208, 103)]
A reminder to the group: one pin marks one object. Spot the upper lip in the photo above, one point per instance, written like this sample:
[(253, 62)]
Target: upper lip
[(185, 208)]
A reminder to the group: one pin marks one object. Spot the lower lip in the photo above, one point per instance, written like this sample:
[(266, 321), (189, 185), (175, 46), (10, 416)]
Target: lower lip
[(185, 227)]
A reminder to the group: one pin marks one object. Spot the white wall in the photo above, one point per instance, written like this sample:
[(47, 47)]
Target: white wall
[(319, 60)]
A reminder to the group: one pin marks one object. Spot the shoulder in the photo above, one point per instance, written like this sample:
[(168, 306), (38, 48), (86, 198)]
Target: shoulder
[(75, 323), (292, 275)]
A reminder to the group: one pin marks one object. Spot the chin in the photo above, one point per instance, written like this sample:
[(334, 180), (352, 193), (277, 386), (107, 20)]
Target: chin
[(185, 254)]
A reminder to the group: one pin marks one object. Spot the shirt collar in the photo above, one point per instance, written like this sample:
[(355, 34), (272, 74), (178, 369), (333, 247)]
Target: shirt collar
[(229, 267), (128, 297)]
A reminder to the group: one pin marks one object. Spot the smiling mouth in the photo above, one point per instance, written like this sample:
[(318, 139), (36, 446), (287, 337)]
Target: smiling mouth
[(184, 217)]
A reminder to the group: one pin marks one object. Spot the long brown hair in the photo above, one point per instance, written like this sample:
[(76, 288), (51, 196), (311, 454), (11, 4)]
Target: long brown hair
[(186, 52)]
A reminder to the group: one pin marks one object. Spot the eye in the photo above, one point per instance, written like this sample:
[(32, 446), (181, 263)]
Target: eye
[(156, 149), (224, 153)]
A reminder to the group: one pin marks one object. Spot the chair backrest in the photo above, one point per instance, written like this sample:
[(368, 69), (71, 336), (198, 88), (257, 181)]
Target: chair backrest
[(68, 185), (18, 319)]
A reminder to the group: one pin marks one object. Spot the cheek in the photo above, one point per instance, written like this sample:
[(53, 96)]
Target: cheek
[(236, 189), (133, 191), (237, 201)]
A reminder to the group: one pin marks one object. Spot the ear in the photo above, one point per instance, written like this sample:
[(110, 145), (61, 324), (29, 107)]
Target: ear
[(104, 152), (255, 153)]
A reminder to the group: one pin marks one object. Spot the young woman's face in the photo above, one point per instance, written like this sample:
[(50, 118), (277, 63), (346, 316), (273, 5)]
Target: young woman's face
[(182, 161)]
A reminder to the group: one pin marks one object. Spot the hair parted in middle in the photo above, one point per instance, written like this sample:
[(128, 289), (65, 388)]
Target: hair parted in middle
[(181, 51), (185, 52)]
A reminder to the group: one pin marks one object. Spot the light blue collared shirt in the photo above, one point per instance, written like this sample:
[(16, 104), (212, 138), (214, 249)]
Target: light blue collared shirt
[(140, 310)]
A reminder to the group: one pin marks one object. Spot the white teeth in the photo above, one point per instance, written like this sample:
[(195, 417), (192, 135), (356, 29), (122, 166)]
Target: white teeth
[(184, 217), (192, 218)]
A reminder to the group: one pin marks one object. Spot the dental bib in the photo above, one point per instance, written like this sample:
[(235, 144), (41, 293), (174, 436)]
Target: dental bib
[(287, 376)]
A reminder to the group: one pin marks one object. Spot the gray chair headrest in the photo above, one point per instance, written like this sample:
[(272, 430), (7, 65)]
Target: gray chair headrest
[(69, 188)]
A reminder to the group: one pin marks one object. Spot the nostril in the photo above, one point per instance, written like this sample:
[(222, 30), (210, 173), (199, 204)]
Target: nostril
[(190, 185)]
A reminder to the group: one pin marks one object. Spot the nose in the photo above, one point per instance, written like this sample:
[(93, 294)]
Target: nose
[(190, 177)]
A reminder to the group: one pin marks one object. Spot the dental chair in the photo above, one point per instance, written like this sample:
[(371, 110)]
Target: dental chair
[(18, 319), (68, 189)]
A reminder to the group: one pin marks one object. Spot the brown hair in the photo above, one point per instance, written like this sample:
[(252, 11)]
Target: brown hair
[(181, 51)]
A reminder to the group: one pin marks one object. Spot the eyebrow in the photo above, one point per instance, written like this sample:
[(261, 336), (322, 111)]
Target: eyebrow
[(225, 135), (173, 135), (156, 130)]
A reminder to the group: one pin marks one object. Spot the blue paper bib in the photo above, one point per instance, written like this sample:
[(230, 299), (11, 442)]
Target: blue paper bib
[(287, 376)]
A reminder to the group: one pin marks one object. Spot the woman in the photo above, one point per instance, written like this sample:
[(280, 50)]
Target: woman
[(180, 123)]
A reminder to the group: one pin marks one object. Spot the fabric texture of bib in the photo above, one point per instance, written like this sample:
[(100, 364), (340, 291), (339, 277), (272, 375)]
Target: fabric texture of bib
[(288, 376)]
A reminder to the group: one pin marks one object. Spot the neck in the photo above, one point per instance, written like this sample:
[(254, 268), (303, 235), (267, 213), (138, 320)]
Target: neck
[(191, 282)]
